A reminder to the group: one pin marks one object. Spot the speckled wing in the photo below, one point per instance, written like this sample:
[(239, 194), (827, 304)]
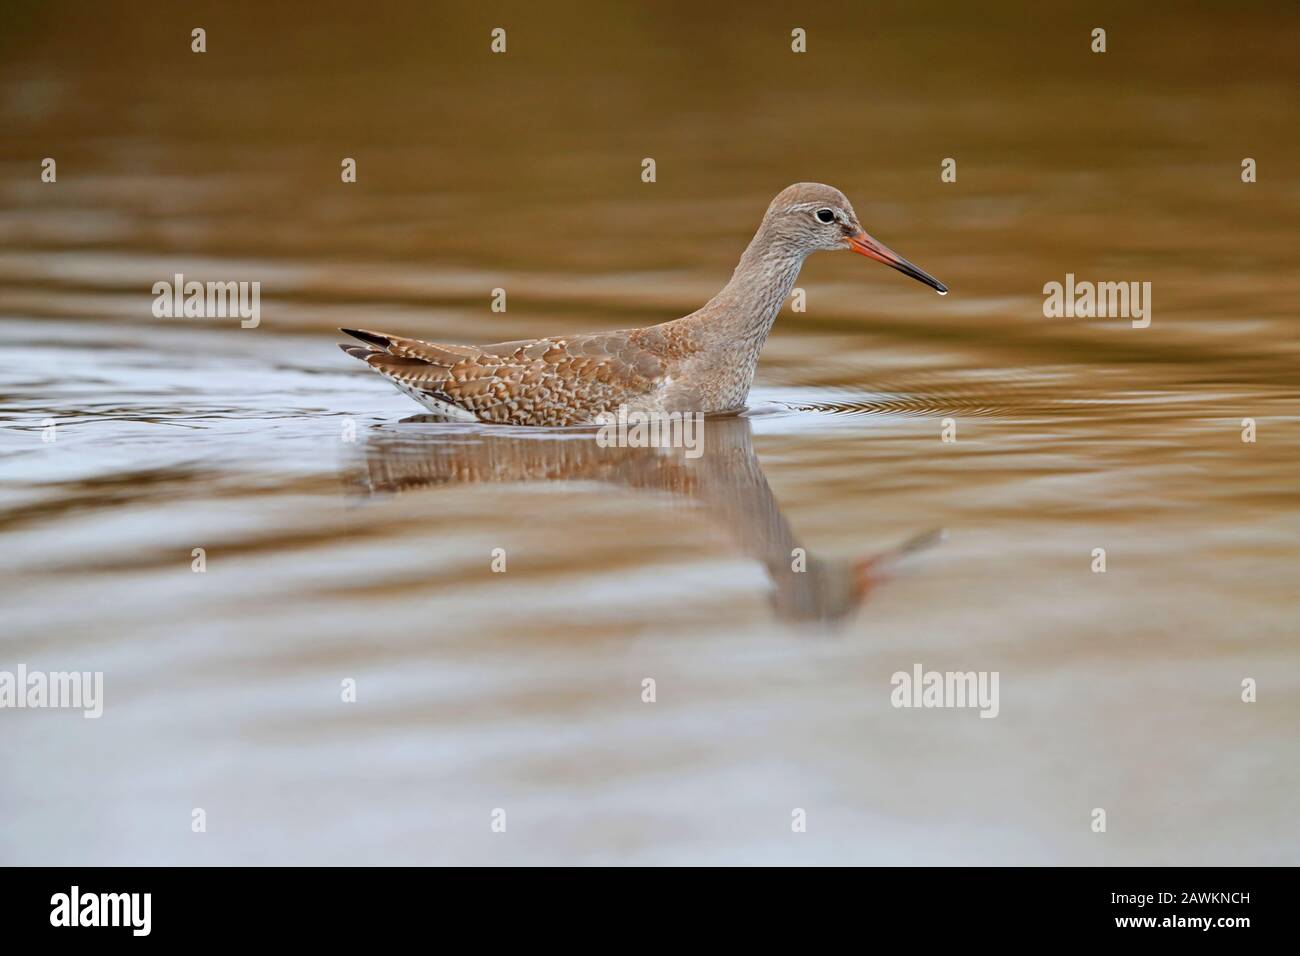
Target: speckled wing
[(552, 381)]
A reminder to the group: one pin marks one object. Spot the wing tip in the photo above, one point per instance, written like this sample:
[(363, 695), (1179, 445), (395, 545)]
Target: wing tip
[(365, 335)]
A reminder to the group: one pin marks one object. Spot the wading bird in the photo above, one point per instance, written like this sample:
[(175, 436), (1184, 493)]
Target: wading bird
[(701, 363)]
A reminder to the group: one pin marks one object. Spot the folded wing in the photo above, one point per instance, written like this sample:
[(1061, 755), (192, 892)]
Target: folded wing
[(552, 381)]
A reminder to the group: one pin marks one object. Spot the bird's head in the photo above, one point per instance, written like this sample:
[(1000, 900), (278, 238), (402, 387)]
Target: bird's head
[(811, 217)]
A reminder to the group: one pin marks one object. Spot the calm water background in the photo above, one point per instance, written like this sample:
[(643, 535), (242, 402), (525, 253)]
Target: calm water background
[(329, 559)]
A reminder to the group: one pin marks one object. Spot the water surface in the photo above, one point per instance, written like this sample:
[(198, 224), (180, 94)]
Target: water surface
[(346, 538)]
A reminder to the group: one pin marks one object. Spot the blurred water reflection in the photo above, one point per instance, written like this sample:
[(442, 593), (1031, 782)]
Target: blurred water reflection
[(726, 483)]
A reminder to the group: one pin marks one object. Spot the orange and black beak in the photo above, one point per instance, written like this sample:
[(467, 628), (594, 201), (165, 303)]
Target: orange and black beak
[(864, 245)]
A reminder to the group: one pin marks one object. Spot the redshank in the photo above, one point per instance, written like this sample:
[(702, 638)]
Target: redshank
[(703, 362)]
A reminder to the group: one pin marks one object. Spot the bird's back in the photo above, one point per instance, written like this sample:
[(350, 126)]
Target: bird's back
[(559, 380)]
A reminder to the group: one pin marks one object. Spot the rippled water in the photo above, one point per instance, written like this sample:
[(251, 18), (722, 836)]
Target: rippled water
[(347, 537)]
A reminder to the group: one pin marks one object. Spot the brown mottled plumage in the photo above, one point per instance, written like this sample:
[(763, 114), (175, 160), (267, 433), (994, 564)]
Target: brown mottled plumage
[(703, 362)]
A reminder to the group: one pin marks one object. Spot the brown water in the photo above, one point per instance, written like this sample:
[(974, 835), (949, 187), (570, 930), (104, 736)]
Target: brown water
[(369, 559)]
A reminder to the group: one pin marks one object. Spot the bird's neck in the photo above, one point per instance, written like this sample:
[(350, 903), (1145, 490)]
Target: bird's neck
[(742, 314)]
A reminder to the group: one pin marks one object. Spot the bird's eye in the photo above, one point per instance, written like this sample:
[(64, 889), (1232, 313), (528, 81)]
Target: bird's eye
[(825, 215)]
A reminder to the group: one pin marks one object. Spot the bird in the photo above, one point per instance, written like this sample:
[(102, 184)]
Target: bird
[(702, 363)]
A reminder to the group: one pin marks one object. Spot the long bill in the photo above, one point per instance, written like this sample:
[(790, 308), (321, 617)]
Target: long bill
[(864, 245)]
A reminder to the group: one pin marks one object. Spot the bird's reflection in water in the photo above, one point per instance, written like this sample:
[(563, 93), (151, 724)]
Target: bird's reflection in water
[(726, 483)]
